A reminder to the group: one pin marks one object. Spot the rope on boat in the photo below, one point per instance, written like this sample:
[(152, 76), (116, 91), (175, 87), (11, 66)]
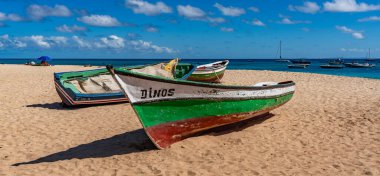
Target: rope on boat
[(216, 75)]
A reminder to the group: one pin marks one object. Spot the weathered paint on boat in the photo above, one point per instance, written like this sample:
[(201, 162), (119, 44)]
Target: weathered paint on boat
[(171, 110), (209, 72), (70, 96)]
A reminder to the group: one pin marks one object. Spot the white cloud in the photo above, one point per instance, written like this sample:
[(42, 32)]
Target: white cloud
[(287, 20), (353, 50), (355, 34), (81, 42), (371, 18), (112, 41), (9, 17), (194, 13), (57, 40), (215, 20), (39, 40), (99, 20), (151, 28), (144, 7), (191, 12), (308, 7), (38, 12), (71, 29), (143, 46), (349, 6), (254, 9), (6, 41), (257, 22), (46, 42), (229, 11), (225, 29)]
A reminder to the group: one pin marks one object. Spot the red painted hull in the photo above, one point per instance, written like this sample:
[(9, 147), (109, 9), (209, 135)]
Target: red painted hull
[(209, 79), (166, 134)]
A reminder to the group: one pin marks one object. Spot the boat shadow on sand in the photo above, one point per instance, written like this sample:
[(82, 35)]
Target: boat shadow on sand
[(133, 142), (129, 142)]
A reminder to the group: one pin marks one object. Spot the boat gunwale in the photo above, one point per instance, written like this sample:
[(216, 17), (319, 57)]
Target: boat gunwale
[(202, 84), (213, 98)]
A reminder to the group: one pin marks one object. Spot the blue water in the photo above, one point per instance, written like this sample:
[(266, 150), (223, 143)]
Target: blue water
[(235, 64)]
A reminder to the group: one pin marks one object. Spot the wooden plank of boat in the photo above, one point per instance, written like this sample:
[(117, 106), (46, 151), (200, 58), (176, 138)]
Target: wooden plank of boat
[(212, 72), (171, 110)]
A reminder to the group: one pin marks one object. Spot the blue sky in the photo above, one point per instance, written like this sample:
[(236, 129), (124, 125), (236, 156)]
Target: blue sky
[(189, 29)]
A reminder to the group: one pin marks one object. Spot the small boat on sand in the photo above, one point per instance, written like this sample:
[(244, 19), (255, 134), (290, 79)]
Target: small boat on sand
[(298, 65), (212, 72), (95, 87), (329, 66), (171, 109)]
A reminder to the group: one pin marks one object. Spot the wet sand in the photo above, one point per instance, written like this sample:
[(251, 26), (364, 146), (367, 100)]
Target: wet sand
[(330, 127)]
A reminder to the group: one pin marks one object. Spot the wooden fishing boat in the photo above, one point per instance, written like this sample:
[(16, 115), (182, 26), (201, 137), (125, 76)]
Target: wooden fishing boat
[(95, 87), (298, 65), (172, 109), (212, 72)]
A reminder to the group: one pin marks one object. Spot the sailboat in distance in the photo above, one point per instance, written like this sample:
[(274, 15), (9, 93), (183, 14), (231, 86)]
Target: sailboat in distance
[(280, 49), (369, 55)]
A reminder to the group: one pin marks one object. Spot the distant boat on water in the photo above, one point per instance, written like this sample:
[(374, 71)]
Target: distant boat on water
[(359, 65), (369, 56), (298, 65), (281, 59), (301, 61), (329, 66), (336, 62)]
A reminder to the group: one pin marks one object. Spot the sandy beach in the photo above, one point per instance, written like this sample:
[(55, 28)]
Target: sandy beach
[(330, 127)]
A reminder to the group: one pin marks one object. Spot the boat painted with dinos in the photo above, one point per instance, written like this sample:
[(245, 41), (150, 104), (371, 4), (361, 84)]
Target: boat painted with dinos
[(172, 109), (95, 87), (298, 65), (333, 66), (212, 72)]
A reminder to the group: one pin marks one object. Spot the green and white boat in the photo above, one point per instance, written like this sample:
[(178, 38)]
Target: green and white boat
[(212, 72), (173, 109)]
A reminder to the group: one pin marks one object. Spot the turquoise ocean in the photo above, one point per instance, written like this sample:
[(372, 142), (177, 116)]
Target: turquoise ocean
[(235, 64)]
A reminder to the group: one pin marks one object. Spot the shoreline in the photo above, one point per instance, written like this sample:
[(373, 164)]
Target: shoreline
[(98, 66), (331, 126)]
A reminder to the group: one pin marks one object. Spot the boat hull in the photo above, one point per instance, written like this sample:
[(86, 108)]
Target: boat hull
[(332, 66), (209, 73), (188, 107), (211, 76), (70, 98)]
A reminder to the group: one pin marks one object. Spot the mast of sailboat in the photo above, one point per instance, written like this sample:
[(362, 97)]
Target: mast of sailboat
[(369, 53), (280, 49)]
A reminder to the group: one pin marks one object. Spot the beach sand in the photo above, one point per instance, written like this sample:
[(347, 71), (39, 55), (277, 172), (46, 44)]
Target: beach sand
[(330, 127)]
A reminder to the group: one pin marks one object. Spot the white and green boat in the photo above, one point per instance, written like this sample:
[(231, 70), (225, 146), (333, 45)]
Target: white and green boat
[(173, 109), (212, 72)]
